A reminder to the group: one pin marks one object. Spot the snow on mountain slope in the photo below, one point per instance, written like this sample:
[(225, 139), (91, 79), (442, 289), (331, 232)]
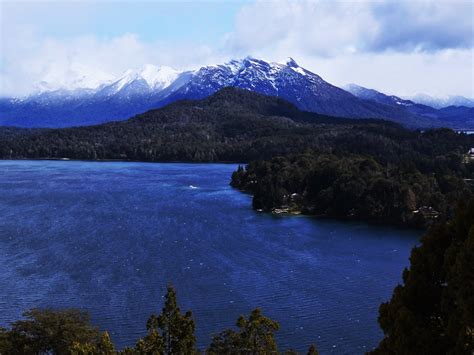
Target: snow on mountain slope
[(148, 79), (451, 116), (289, 81), (371, 94), (136, 91), (442, 102)]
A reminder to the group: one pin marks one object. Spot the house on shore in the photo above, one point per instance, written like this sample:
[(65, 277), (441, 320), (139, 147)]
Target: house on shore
[(469, 156)]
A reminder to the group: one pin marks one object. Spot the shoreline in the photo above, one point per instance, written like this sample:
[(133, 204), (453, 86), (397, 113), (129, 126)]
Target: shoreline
[(273, 212), (373, 222), (127, 161)]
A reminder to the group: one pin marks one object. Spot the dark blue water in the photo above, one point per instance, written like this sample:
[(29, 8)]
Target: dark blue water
[(108, 237)]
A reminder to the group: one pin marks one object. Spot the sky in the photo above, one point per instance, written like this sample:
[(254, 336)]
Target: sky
[(399, 47)]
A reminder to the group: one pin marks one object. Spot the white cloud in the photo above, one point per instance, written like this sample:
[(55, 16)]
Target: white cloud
[(29, 59), (447, 72), (400, 47), (328, 28)]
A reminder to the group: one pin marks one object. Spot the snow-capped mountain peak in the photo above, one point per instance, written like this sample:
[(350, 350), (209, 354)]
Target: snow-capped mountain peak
[(159, 77), (128, 77), (156, 78), (292, 63), (138, 90)]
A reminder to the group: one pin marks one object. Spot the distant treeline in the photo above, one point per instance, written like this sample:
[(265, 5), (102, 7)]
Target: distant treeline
[(69, 331)]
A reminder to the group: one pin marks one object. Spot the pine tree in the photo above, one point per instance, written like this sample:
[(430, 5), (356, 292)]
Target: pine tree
[(226, 342), (105, 345), (177, 329), (312, 350), (255, 336), (257, 333)]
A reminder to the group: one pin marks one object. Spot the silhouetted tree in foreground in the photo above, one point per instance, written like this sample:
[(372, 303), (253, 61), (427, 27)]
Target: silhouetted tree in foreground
[(433, 311)]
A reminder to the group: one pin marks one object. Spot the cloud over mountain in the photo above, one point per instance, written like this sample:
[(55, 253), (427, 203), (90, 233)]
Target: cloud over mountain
[(382, 44)]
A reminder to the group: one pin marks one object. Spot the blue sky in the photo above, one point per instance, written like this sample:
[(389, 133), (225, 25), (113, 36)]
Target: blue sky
[(201, 21), (400, 47)]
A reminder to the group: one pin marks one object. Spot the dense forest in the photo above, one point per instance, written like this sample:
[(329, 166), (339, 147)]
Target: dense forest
[(69, 331), (357, 187)]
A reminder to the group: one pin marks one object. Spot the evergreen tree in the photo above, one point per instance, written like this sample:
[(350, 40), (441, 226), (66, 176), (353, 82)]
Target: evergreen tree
[(312, 350), (105, 345), (433, 311), (255, 337), (226, 342), (83, 349), (152, 344), (177, 329), (257, 333)]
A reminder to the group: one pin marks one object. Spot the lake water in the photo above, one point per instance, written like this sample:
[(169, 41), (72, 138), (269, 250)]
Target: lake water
[(108, 237)]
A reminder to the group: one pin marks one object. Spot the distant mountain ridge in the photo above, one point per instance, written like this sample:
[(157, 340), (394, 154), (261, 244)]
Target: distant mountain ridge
[(453, 116), (442, 102), (154, 87)]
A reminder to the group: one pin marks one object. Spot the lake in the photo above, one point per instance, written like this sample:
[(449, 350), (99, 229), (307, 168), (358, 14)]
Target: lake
[(107, 237)]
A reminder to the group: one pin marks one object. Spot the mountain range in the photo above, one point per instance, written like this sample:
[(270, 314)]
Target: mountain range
[(442, 101), (450, 116), (153, 87)]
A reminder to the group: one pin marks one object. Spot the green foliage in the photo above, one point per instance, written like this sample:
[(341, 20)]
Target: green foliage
[(226, 342), (257, 333), (255, 336), (82, 349), (151, 344), (433, 311), (351, 186), (312, 350), (177, 329), (103, 347), (48, 331)]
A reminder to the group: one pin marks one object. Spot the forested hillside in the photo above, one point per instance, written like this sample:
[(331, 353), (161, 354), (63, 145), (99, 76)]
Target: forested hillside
[(233, 125)]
